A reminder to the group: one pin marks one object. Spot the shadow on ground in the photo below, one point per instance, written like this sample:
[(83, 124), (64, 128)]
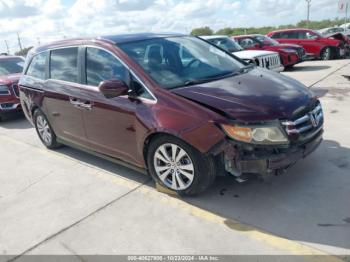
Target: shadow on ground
[(17, 121), (308, 68), (310, 203)]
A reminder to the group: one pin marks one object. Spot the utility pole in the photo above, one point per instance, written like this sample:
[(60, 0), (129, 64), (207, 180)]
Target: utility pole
[(19, 42), (7, 47), (346, 12), (308, 12)]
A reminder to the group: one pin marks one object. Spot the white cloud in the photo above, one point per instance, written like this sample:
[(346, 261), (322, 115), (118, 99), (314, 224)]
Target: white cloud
[(50, 20)]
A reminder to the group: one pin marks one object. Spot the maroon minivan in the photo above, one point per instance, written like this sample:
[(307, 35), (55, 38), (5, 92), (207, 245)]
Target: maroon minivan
[(174, 105)]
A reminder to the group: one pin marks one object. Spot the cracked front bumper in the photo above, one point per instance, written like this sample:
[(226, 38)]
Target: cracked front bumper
[(240, 160)]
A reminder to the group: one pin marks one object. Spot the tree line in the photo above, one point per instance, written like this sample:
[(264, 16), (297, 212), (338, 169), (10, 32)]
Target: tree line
[(316, 25)]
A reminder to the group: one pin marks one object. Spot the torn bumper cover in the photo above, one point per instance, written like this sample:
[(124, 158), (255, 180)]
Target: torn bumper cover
[(249, 159)]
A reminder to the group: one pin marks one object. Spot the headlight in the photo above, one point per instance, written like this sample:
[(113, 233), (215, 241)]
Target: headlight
[(4, 90), (256, 135), (289, 50)]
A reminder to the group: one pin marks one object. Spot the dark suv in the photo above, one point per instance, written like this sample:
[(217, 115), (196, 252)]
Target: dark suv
[(174, 105), (10, 70)]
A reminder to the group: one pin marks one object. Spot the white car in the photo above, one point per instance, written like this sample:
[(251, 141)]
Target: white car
[(266, 59), (333, 30)]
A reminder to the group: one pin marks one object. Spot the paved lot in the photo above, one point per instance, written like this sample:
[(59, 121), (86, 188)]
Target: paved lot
[(68, 202)]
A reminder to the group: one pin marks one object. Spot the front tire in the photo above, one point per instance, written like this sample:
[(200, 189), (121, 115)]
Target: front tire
[(178, 166), (44, 130), (326, 54)]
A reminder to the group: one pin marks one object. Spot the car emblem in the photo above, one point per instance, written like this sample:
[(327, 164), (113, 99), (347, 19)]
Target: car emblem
[(314, 120)]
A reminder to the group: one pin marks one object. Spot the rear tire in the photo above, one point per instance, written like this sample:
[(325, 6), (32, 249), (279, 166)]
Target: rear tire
[(44, 130), (178, 166), (327, 53)]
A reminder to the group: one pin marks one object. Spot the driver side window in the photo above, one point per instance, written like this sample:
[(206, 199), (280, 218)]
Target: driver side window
[(101, 65)]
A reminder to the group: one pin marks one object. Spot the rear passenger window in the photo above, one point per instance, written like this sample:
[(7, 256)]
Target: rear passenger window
[(276, 35), (64, 64), (37, 66), (101, 65)]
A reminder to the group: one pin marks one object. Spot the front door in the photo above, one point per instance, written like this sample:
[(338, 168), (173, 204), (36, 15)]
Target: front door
[(110, 122)]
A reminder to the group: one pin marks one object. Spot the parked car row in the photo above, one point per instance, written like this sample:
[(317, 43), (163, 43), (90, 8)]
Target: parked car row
[(315, 44), (176, 106), (265, 59), (283, 48)]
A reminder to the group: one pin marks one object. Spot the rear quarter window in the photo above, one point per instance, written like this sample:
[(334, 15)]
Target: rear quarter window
[(64, 64), (276, 35), (37, 66)]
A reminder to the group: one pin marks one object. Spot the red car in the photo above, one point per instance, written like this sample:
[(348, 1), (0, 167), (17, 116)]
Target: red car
[(175, 105), (10, 70), (314, 43), (345, 41), (290, 54)]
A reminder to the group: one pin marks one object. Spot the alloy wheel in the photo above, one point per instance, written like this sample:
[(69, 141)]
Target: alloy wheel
[(326, 54), (44, 130), (173, 166)]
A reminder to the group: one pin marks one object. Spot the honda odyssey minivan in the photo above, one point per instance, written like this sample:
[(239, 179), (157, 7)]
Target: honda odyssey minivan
[(174, 105)]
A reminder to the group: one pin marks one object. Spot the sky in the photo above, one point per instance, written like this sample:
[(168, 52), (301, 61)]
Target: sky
[(42, 21)]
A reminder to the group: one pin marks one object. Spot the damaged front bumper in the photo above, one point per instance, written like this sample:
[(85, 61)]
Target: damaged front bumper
[(238, 159)]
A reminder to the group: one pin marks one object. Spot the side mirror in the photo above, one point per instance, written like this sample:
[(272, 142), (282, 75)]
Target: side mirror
[(113, 88), (266, 43)]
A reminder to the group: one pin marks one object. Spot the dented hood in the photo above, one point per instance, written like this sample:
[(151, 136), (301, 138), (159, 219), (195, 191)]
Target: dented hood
[(258, 95)]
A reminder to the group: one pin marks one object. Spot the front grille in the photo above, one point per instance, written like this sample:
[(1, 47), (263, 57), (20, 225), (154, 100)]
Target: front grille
[(307, 124), (15, 89), (270, 61)]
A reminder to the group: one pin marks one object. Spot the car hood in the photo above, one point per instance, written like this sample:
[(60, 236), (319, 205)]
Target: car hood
[(258, 95), (248, 54), (8, 79), (339, 36)]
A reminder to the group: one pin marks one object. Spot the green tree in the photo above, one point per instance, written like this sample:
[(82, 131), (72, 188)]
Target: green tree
[(225, 31), (316, 25), (202, 31), (24, 51)]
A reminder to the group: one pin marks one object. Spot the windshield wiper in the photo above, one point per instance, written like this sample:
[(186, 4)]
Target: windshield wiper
[(209, 79), (246, 68)]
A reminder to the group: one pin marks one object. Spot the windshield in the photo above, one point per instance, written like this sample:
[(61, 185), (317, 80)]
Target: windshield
[(317, 33), (266, 40), (227, 44), (11, 66), (178, 61)]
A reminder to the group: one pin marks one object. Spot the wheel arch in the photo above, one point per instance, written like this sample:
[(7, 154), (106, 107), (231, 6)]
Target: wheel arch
[(333, 50), (203, 138)]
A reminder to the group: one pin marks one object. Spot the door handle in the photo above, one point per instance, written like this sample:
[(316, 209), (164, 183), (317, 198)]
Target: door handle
[(87, 105), (79, 104), (74, 101)]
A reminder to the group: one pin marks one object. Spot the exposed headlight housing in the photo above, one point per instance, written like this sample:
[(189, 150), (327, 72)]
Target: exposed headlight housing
[(256, 134), (289, 50), (4, 90)]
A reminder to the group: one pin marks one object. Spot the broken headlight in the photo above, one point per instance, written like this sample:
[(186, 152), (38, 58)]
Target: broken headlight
[(256, 134)]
